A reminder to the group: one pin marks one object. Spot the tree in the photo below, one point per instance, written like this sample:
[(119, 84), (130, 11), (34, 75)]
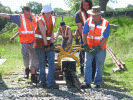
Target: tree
[(35, 7), (58, 9), (3, 21), (101, 3), (75, 7), (16, 12), (73, 4)]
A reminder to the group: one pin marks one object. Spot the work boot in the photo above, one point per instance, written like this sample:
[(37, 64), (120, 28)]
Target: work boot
[(85, 86), (97, 86), (35, 78), (27, 71), (54, 86)]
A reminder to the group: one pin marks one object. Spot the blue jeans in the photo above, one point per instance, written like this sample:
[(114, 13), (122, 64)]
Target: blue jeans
[(42, 63), (100, 58)]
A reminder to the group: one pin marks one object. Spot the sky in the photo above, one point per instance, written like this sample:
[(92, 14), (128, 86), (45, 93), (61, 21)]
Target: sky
[(15, 4), (119, 3)]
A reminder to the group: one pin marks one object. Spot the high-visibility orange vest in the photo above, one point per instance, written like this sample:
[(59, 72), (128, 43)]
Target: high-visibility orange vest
[(38, 37), (96, 34), (26, 29), (83, 17), (65, 33)]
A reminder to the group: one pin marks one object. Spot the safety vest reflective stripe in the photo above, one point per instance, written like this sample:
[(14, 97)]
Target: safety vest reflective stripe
[(25, 28), (40, 36), (44, 23), (83, 17), (25, 32), (103, 27), (53, 20), (65, 32)]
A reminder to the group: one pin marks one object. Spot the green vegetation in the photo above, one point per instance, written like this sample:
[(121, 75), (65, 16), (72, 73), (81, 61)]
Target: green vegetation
[(11, 52), (69, 20), (120, 40)]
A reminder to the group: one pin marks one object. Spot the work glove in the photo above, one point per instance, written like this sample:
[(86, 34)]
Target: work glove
[(52, 47), (47, 48), (86, 48), (77, 41), (95, 50)]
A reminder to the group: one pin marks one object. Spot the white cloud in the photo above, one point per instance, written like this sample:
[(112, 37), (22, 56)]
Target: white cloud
[(15, 4), (120, 4)]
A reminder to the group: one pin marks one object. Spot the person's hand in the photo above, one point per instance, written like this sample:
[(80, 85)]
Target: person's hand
[(68, 43), (86, 48), (11, 39), (47, 48), (77, 41), (55, 41), (95, 50), (52, 47)]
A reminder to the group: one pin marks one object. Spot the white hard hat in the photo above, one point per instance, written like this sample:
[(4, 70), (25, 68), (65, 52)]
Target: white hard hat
[(46, 8)]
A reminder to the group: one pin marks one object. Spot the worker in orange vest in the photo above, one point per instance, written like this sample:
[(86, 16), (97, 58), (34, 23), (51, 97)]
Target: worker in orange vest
[(80, 18), (26, 26), (67, 35), (44, 46), (95, 35)]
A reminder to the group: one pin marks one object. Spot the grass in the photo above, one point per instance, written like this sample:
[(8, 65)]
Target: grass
[(11, 52), (120, 40)]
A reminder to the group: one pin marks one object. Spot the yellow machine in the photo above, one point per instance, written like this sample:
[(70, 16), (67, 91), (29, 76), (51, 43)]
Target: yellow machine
[(68, 53)]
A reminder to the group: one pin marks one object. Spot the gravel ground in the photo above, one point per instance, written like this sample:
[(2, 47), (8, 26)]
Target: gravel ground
[(14, 87), (34, 92)]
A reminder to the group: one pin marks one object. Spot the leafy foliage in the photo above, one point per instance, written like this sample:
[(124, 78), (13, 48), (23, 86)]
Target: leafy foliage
[(35, 7), (69, 21), (4, 9)]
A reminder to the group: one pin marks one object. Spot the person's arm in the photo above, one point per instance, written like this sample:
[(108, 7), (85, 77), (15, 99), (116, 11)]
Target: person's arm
[(58, 32), (78, 23), (76, 34), (52, 37), (103, 41), (80, 28), (106, 35), (84, 36), (4, 15), (85, 32), (12, 38), (43, 31)]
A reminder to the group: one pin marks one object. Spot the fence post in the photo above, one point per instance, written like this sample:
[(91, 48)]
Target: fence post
[(62, 17)]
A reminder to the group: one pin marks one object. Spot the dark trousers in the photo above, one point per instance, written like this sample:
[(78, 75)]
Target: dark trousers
[(93, 68), (81, 56)]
